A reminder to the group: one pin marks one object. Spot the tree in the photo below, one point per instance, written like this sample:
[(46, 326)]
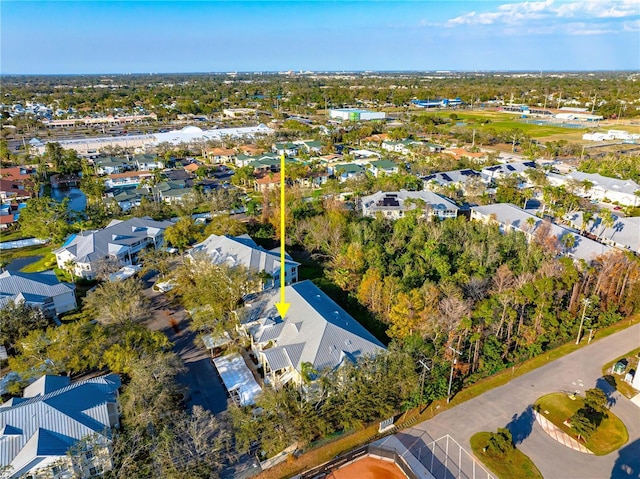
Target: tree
[(45, 218), (118, 302), (596, 401), (182, 234), (211, 291), (500, 443), (17, 320), (581, 424)]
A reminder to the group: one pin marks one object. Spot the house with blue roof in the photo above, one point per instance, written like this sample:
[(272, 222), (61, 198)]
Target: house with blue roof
[(42, 290), (58, 429)]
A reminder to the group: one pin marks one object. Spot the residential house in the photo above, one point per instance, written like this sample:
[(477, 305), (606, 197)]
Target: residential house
[(250, 150), (42, 433), (243, 251), (111, 165), (504, 170), (364, 154), (16, 173), (513, 218), (128, 178), (456, 179), (190, 168), (396, 204), (315, 332), (120, 240), (14, 191), (624, 233), (287, 149), (220, 155), (313, 179), (601, 187), (402, 146), (312, 147), (460, 153), (148, 162), (346, 171), (266, 182), (376, 139), (42, 290), (382, 167)]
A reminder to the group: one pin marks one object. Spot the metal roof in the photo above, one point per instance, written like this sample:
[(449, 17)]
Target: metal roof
[(33, 287), (315, 330), (51, 419)]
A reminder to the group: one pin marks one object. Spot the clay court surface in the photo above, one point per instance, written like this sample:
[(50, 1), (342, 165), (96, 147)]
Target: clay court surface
[(368, 468)]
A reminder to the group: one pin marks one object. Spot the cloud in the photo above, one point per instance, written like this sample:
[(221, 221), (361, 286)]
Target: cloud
[(588, 17)]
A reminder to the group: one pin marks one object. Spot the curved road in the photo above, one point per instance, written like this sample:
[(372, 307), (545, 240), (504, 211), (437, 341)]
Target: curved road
[(509, 405)]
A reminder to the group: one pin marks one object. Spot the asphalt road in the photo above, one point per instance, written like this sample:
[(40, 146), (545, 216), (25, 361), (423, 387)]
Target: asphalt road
[(200, 379), (510, 406)]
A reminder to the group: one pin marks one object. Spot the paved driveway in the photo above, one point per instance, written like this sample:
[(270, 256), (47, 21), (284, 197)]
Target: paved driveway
[(201, 378), (510, 405)]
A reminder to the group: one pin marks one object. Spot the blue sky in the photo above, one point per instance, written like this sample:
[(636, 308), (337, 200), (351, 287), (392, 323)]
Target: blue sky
[(206, 36)]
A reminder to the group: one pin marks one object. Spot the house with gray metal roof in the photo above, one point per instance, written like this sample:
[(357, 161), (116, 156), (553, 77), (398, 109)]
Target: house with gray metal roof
[(42, 290), (242, 250), (513, 218), (623, 234), (395, 204), (121, 240), (448, 179), (40, 431), (601, 187), (504, 170), (315, 332)]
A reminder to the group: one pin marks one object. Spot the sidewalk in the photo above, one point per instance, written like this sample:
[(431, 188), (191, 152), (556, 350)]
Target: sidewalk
[(559, 435)]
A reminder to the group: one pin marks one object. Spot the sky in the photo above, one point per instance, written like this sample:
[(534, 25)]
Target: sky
[(76, 37)]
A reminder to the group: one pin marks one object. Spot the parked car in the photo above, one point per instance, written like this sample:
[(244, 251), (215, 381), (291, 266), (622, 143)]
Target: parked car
[(617, 208)]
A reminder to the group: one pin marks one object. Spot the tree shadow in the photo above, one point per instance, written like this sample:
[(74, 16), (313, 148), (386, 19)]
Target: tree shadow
[(609, 390), (627, 466), (521, 425)]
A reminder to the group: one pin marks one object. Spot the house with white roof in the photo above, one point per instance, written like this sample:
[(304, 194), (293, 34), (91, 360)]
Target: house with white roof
[(451, 179), (120, 240), (515, 168), (40, 432), (242, 250), (623, 234), (602, 188), (316, 334), (395, 204), (42, 290), (513, 218)]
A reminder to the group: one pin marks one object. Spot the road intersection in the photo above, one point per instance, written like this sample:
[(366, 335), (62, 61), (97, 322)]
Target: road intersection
[(510, 405)]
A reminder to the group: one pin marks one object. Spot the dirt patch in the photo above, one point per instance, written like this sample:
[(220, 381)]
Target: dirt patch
[(369, 468)]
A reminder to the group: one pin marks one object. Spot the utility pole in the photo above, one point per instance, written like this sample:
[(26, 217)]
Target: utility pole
[(425, 368), (453, 363), (586, 302)]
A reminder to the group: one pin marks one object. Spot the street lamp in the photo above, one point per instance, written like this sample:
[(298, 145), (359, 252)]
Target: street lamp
[(453, 363), (586, 302)]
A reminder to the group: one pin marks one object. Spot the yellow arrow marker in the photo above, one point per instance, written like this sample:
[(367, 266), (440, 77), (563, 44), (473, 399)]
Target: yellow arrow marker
[(282, 306)]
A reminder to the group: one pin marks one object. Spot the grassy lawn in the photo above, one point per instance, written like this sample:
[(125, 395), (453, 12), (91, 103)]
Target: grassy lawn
[(13, 236), (622, 386), (48, 261), (6, 256), (514, 464), (610, 435)]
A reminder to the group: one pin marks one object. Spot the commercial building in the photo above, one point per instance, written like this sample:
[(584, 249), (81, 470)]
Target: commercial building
[(355, 114)]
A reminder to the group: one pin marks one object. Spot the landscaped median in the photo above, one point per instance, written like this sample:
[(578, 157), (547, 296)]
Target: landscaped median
[(559, 408), (507, 462)]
